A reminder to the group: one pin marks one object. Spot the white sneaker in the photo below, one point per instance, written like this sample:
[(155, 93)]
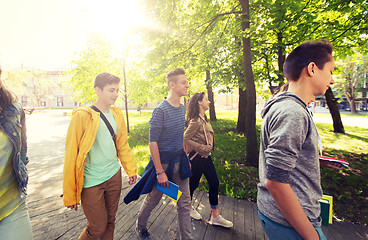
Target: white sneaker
[(194, 214), (220, 221)]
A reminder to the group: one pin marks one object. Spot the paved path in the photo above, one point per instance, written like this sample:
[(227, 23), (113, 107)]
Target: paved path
[(346, 120), (51, 220)]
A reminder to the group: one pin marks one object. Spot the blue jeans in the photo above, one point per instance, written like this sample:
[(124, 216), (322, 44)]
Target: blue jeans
[(17, 225), (277, 231)]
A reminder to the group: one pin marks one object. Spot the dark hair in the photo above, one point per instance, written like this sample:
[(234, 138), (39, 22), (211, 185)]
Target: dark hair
[(171, 76), (193, 107), (6, 97), (318, 52), (104, 79), (282, 88)]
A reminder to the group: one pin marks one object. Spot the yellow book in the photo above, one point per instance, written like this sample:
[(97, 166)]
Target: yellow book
[(330, 200), (175, 200), (172, 192)]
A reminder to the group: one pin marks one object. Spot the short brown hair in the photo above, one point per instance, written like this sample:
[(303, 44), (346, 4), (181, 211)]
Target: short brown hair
[(104, 79), (319, 52), (171, 76)]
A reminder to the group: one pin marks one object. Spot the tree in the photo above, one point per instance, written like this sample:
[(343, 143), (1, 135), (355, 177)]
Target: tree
[(210, 37), (32, 83), (210, 96), (125, 91), (353, 70), (335, 113), (289, 23), (95, 59), (250, 118), (39, 85)]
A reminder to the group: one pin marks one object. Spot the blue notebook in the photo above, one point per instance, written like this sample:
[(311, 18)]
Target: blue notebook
[(172, 192)]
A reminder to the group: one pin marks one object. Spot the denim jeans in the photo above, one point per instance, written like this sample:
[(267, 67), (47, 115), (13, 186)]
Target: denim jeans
[(17, 225), (100, 204), (277, 231)]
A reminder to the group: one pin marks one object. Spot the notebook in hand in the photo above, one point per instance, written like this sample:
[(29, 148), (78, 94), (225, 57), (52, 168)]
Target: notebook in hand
[(172, 192)]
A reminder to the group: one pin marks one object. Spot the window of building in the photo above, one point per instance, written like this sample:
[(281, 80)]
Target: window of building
[(60, 102), (24, 100)]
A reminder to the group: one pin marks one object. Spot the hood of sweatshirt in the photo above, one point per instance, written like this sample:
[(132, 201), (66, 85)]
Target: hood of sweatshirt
[(280, 97)]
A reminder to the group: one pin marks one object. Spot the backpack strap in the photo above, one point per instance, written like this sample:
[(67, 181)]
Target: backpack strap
[(108, 125)]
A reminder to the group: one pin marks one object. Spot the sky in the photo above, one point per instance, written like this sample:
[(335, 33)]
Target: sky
[(48, 34)]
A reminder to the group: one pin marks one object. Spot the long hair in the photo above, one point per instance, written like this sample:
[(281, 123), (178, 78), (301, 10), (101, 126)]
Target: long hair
[(6, 97), (283, 88), (193, 107)]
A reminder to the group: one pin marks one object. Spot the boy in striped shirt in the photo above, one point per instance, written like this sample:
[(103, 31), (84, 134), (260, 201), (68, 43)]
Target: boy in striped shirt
[(167, 155)]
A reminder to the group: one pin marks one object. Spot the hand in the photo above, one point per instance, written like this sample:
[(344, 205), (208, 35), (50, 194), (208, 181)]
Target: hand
[(163, 180), (332, 165), (132, 180), (208, 148), (74, 206)]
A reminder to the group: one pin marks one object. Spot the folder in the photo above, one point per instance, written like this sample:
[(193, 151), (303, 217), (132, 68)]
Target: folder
[(172, 192), (330, 201), (325, 211), (342, 162)]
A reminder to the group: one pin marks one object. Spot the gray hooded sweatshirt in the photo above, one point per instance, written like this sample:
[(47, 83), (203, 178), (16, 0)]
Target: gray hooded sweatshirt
[(289, 154)]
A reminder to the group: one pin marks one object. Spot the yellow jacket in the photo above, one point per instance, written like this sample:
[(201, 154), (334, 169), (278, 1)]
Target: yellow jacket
[(79, 140)]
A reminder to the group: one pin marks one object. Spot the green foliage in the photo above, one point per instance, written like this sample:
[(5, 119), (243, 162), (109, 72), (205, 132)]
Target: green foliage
[(352, 76), (138, 137), (95, 59), (196, 39), (279, 26)]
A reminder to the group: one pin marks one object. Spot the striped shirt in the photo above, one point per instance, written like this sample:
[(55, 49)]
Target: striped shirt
[(167, 127)]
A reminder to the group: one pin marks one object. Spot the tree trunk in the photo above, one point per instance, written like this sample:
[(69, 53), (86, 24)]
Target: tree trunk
[(210, 96), (334, 111), (250, 110), (240, 127), (125, 96), (352, 105), (281, 57)]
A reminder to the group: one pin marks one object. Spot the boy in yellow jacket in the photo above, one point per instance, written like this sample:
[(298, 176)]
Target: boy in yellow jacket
[(92, 173)]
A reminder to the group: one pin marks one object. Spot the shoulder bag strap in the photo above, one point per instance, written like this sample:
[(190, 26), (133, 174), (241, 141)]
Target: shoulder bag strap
[(108, 125), (205, 134)]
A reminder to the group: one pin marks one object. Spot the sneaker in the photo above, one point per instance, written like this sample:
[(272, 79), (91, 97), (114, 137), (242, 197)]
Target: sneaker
[(220, 221), (143, 234), (194, 214)]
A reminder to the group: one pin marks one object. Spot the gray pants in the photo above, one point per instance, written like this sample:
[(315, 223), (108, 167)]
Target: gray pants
[(183, 205)]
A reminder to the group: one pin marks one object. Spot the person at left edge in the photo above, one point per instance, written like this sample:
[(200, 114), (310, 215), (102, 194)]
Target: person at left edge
[(92, 173), (14, 218)]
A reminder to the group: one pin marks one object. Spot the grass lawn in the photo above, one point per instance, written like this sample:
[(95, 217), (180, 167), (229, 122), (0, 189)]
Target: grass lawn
[(348, 187)]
